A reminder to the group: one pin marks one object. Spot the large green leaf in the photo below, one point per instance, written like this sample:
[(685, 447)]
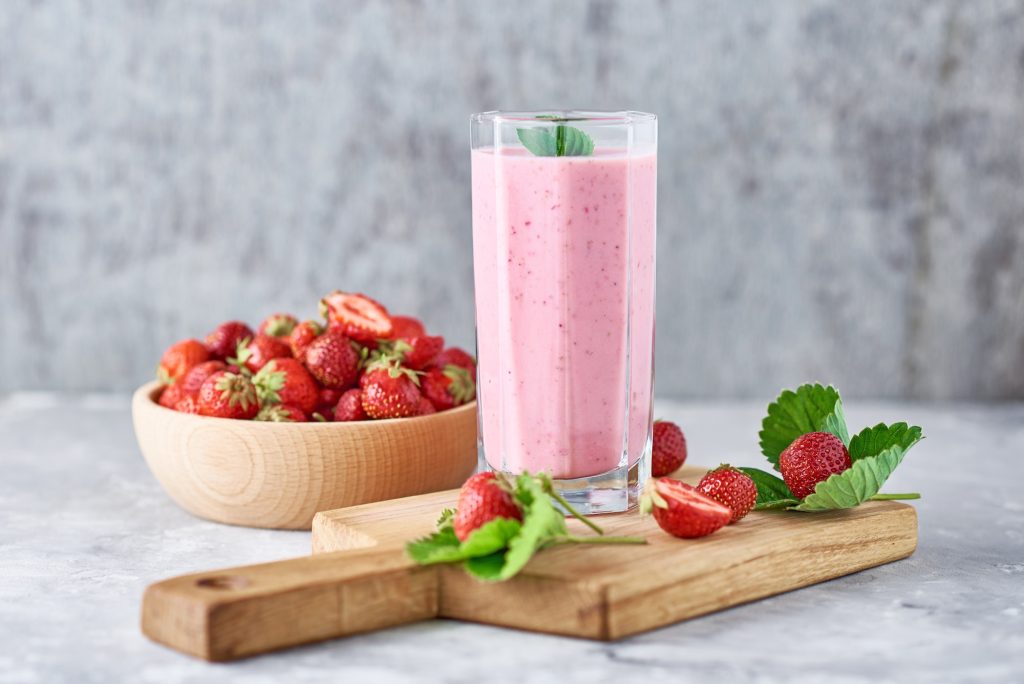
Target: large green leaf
[(811, 408), (879, 450), (874, 440), (444, 547), (772, 491)]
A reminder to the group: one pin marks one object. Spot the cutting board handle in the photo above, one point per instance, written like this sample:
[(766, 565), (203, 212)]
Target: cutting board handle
[(237, 612)]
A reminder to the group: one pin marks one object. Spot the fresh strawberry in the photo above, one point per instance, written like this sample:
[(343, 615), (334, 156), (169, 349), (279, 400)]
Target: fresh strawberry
[(329, 398), (456, 357), (302, 335), (390, 390), (195, 378), (406, 326), (669, 451), (681, 510), (332, 360), (278, 325), (170, 396), (448, 388), (257, 352), (187, 404), (811, 459), (350, 407), (223, 341), (730, 487), (228, 395), (426, 407), (356, 315), (482, 499), (286, 381), (179, 359), (418, 352), (281, 413)]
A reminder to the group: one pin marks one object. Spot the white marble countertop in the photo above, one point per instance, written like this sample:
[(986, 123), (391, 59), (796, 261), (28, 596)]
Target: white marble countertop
[(84, 528)]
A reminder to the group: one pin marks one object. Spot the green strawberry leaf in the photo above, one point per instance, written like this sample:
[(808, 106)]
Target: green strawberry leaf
[(811, 408), (444, 547), (772, 491), (870, 470), (542, 523), (874, 440)]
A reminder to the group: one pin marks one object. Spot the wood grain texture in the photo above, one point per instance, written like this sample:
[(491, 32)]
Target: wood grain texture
[(359, 577), (279, 474)]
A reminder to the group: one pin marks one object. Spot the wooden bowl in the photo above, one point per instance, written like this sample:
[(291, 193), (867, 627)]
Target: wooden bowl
[(279, 475)]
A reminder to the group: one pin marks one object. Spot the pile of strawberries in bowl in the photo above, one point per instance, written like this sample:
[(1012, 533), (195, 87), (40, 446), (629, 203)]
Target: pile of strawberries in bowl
[(357, 363)]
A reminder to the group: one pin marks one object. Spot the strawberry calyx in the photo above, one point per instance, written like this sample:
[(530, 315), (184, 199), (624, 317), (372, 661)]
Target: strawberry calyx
[(279, 325), (269, 382), (462, 388), (242, 354), (392, 364), (236, 389), (275, 413)]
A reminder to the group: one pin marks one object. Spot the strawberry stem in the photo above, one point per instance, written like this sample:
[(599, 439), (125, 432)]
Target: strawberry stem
[(550, 490), (895, 497), (570, 539)]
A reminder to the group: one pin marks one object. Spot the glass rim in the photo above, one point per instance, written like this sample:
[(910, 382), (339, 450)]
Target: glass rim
[(586, 116)]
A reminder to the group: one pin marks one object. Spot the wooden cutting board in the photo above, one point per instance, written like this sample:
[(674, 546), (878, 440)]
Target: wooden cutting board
[(359, 578)]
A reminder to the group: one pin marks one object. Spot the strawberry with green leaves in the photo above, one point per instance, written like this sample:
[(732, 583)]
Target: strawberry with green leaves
[(179, 359), (416, 352), (681, 510), (805, 437), (286, 381), (500, 523), (483, 498), (390, 390), (228, 395), (448, 388)]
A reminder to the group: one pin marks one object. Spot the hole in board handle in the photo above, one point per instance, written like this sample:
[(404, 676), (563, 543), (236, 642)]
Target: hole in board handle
[(223, 582)]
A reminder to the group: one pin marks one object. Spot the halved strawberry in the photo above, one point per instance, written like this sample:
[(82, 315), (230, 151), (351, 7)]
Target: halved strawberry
[(356, 315), (681, 510)]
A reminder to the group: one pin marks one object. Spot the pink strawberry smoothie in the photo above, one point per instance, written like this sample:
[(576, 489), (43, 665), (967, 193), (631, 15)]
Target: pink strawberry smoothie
[(564, 271)]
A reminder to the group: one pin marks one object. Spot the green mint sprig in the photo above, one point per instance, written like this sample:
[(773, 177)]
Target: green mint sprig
[(499, 549), (563, 141), (875, 452)]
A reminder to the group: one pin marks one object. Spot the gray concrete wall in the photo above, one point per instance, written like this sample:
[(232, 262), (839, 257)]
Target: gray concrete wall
[(841, 183)]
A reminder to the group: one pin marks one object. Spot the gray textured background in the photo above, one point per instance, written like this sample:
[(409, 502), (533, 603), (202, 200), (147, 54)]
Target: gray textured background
[(841, 183)]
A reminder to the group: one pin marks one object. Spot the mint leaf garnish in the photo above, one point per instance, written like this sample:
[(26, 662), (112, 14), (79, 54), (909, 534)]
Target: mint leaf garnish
[(772, 491), (812, 408), (499, 549), (563, 141)]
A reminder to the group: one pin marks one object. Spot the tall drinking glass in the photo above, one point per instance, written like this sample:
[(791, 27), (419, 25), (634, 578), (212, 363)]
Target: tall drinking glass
[(564, 207)]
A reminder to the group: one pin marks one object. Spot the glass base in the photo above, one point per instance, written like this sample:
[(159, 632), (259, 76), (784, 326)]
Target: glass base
[(614, 491)]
